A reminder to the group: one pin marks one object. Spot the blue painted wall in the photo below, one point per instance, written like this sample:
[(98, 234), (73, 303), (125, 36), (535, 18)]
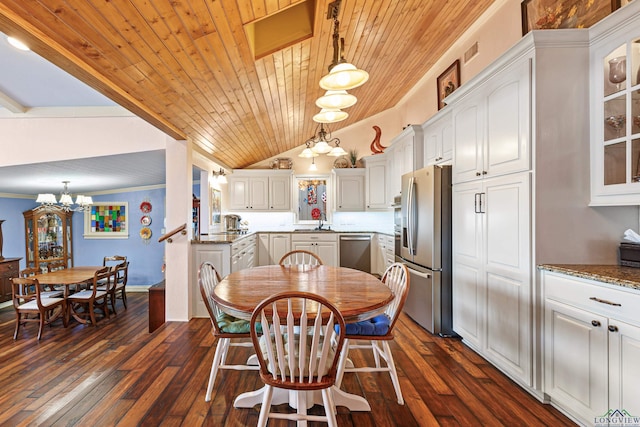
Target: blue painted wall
[(145, 256)]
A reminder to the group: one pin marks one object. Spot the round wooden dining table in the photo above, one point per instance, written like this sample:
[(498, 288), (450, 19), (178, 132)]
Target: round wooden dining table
[(358, 296)]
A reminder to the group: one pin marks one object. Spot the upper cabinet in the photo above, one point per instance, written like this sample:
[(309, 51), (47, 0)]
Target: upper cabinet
[(615, 116), (260, 190), (438, 138), (406, 154), (377, 194), (350, 190), (491, 126)]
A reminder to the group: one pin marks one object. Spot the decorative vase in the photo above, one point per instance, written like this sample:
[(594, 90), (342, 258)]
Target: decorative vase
[(1, 221), (618, 70)]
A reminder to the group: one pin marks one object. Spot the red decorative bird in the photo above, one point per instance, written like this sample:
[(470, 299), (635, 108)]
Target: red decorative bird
[(376, 147)]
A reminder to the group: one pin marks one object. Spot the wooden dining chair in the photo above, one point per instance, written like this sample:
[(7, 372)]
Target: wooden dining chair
[(113, 260), (27, 299), (51, 293), (118, 284), (379, 330), (225, 328), (300, 257), (93, 298), (295, 351)]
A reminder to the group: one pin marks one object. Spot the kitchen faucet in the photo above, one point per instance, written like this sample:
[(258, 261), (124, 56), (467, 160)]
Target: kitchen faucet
[(320, 223)]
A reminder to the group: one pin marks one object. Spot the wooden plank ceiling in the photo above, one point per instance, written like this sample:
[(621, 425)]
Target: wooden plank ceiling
[(186, 65)]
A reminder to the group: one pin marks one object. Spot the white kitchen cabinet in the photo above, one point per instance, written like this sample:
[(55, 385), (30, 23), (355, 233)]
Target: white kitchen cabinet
[(279, 244), (406, 154), (615, 114), (438, 138), (217, 254), (259, 190), (262, 251), (350, 189), (325, 245), (243, 253), (491, 270), (377, 194), (383, 253), (591, 347), (491, 126)]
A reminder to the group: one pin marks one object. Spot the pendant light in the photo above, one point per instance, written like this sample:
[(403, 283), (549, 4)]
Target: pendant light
[(336, 99), (342, 74), (328, 115)]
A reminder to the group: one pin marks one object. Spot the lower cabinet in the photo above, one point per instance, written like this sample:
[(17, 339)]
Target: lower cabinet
[(279, 245), (323, 245), (262, 250), (217, 254), (9, 267), (383, 253), (243, 254), (591, 348)]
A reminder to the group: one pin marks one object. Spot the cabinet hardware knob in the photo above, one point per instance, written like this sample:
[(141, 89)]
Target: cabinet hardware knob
[(595, 323), (604, 301), (613, 328), (484, 172), (478, 174)]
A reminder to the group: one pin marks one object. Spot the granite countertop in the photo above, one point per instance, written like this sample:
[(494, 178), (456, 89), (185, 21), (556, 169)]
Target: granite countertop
[(223, 238), (628, 277)]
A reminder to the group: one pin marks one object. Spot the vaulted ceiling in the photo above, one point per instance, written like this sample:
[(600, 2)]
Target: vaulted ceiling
[(187, 67)]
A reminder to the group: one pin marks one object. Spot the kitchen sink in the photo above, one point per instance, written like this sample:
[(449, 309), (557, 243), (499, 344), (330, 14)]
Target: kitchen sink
[(314, 230)]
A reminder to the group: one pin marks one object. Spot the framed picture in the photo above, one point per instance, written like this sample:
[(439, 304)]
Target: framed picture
[(107, 220), (553, 14), (216, 210), (448, 82)]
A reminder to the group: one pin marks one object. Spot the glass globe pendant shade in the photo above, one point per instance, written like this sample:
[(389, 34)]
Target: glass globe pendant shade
[(336, 100), (327, 115), (344, 76), (308, 152), (321, 147), (337, 151), (313, 166)]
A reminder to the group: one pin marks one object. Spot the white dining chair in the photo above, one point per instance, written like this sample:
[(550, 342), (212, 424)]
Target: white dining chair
[(225, 328), (300, 257), (378, 332), (295, 351)]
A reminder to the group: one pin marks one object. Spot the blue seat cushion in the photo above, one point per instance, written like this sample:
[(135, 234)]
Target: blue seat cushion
[(378, 325)]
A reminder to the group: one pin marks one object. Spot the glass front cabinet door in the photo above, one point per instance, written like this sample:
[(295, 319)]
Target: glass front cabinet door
[(48, 239), (615, 132)]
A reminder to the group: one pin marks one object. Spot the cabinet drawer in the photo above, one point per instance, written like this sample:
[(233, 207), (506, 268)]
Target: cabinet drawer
[(607, 300), (9, 269), (314, 237)]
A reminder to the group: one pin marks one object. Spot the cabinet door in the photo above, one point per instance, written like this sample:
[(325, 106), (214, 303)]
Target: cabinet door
[(279, 244), (219, 256), (468, 285), (259, 193), (506, 237), (377, 196), (468, 142), (303, 246), (350, 195), (624, 369), (575, 359), (506, 148), (263, 250), (280, 193), (238, 193), (328, 252)]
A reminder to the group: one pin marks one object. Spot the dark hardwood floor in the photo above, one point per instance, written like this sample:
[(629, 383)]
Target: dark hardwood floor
[(119, 374)]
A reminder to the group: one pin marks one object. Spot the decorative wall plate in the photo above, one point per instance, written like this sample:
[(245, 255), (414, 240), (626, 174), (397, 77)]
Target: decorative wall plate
[(145, 220), (145, 233), (145, 207), (341, 163)]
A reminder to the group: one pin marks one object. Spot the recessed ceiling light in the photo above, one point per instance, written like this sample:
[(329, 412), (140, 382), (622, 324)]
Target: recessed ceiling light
[(17, 44)]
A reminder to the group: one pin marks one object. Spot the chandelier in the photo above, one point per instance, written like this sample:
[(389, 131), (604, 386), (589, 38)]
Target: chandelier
[(322, 143), (49, 202)]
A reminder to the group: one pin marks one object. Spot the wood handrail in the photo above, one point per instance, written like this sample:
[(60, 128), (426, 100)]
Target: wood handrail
[(167, 236)]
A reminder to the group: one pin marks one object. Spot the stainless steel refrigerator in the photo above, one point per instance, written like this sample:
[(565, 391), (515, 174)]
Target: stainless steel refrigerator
[(426, 247)]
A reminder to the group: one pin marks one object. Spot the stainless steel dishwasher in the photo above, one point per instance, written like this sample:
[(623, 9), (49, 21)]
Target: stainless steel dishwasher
[(355, 251)]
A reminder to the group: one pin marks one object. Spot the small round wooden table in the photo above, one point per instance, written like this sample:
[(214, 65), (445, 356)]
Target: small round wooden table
[(358, 296)]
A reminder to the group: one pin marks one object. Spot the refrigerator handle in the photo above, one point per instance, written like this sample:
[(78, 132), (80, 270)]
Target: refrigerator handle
[(411, 216)]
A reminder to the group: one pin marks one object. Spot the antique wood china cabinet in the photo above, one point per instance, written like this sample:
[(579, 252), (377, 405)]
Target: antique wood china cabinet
[(48, 238)]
